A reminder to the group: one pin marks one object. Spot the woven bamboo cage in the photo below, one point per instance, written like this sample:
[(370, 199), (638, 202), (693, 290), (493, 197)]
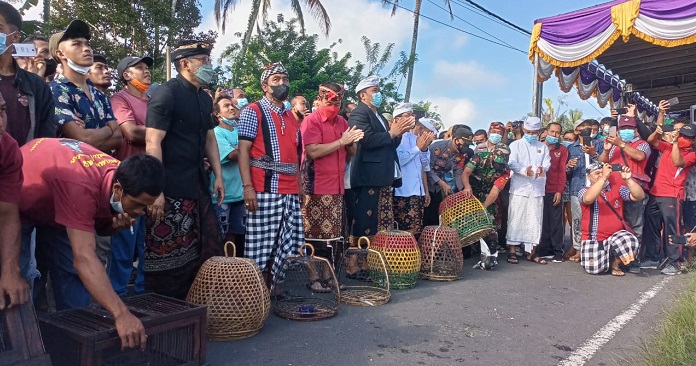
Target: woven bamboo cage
[(441, 254), (400, 250), (299, 300), (467, 216), (235, 293), (364, 287)]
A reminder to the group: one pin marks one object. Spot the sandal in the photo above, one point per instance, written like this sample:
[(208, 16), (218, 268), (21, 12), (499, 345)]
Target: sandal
[(617, 272), (324, 289), (361, 275), (536, 259), (575, 258), (512, 258), (330, 284)]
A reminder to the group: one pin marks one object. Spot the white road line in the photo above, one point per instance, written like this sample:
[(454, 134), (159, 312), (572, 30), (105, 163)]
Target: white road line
[(588, 349)]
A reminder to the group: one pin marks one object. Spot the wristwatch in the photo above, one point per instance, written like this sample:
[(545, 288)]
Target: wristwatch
[(622, 146)]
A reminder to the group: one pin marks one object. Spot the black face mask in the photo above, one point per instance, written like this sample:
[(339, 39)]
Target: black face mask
[(280, 92)]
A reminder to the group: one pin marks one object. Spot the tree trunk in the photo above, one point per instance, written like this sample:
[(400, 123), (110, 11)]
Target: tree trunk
[(412, 57), (46, 15)]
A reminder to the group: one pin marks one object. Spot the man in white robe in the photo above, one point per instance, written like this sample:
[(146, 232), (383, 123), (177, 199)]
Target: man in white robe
[(529, 162)]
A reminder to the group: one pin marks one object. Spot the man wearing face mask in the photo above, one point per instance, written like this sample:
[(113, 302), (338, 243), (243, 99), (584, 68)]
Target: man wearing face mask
[(269, 158), (241, 97), (375, 167), (488, 168), (530, 161), (628, 149), (551, 242), (663, 211), (298, 106), (85, 112), (179, 132), (130, 108), (72, 190), (29, 101)]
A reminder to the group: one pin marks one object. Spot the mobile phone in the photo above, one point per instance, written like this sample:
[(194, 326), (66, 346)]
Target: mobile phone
[(678, 239), (668, 128), (673, 101), (612, 131), (621, 110), (586, 141), (26, 50), (616, 167)]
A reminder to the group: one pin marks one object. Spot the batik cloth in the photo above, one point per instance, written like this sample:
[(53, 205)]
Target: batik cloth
[(173, 241), (408, 213), (595, 256), (323, 216), (274, 231), (373, 211)]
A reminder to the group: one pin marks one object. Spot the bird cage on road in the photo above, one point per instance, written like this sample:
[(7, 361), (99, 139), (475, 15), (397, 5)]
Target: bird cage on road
[(400, 250), (364, 287), (441, 254)]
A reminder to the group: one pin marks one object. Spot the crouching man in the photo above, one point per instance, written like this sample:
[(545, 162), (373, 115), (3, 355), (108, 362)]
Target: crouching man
[(606, 237)]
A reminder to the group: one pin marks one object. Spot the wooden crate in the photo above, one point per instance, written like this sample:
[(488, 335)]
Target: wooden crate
[(87, 336), (20, 340)]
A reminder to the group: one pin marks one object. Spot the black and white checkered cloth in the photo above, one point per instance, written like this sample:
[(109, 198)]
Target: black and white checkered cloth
[(275, 231), (266, 163), (274, 68), (596, 255)]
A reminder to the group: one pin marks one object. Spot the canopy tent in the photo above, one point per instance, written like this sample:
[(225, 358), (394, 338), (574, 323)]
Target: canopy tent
[(656, 56)]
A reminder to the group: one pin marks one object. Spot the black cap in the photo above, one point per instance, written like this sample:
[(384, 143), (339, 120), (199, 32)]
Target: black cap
[(688, 130), (462, 133), (129, 61), (76, 29), (99, 58)]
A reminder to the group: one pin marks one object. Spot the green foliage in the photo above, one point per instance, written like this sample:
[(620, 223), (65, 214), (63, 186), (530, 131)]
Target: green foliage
[(429, 109), (137, 27)]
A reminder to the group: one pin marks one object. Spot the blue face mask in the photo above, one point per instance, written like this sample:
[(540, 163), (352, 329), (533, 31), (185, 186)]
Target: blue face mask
[(241, 102), (551, 140), (495, 138), (377, 99), (627, 135), (3, 40), (566, 143), (287, 105), (116, 206), (205, 74), (231, 122), (530, 138)]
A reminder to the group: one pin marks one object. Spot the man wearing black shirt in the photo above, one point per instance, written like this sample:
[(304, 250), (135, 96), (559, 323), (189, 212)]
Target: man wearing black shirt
[(180, 133)]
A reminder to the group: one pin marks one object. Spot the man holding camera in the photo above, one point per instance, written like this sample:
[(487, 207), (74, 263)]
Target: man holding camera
[(606, 239), (663, 212)]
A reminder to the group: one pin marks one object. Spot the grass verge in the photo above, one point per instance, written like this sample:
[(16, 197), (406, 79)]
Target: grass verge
[(675, 342)]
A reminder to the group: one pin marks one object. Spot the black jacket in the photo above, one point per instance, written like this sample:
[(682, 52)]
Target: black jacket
[(41, 106), (373, 164)]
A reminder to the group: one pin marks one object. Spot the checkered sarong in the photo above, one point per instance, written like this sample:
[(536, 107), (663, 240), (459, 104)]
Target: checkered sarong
[(596, 255), (275, 231)]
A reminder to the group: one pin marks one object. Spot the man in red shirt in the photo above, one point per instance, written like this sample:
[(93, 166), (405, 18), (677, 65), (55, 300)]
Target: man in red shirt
[(11, 282), (72, 190), (551, 242), (663, 212), (327, 141), (605, 240)]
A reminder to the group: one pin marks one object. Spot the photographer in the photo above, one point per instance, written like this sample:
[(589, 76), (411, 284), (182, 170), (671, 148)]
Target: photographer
[(606, 240)]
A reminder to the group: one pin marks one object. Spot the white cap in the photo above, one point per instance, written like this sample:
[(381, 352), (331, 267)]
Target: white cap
[(402, 108), (367, 82), (427, 124), (532, 124), (577, 123)]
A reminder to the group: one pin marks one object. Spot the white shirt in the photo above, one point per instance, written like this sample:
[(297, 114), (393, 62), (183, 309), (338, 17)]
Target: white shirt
[(413, 163), (523, 155)]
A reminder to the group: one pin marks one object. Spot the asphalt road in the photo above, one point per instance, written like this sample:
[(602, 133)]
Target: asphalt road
[(525, 314)]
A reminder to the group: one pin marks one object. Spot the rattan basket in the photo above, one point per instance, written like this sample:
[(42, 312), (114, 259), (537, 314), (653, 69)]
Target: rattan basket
[(365, 288), (297, 299), (400, 250), (235, 293), (467, 216), (441, 254)]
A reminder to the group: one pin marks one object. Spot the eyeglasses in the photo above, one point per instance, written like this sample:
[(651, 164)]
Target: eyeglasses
[(204, 59)]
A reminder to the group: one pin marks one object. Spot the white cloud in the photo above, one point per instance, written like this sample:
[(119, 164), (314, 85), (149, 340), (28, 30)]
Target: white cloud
[(454, 110), (465, 75), (348, 23)]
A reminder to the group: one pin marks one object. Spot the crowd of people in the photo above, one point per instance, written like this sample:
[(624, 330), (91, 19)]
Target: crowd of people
[(93, 182)]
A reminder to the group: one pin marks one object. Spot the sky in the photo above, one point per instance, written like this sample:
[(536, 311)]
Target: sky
[(470, 80)]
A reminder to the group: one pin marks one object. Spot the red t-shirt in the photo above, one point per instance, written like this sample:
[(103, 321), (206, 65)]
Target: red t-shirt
[(10, 169), (66, 183), (604, 222), (670, 179), (323, 175), (556, 176), (128, 107)]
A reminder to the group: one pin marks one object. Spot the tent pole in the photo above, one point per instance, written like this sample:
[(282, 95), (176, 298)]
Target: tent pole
[(537, 89)]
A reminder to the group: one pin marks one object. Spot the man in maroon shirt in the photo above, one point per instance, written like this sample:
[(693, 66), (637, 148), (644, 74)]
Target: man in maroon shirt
[(11, 283), (551, 242)]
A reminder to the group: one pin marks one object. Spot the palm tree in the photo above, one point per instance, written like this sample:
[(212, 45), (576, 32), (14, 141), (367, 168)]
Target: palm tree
[(260, 7), (414, 39)]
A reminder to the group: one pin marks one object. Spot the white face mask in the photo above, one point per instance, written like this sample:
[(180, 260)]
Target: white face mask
[(82, 70), (117, 206)]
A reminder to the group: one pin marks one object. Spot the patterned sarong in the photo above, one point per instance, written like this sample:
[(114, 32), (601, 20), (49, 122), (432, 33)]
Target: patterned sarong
[(323, 216), (408, 213), (173, 241), (373, 211), (595, 256)]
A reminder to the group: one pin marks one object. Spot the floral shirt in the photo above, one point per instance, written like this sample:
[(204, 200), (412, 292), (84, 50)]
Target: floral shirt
[(72, 103), (487, 167), (445, 158)]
